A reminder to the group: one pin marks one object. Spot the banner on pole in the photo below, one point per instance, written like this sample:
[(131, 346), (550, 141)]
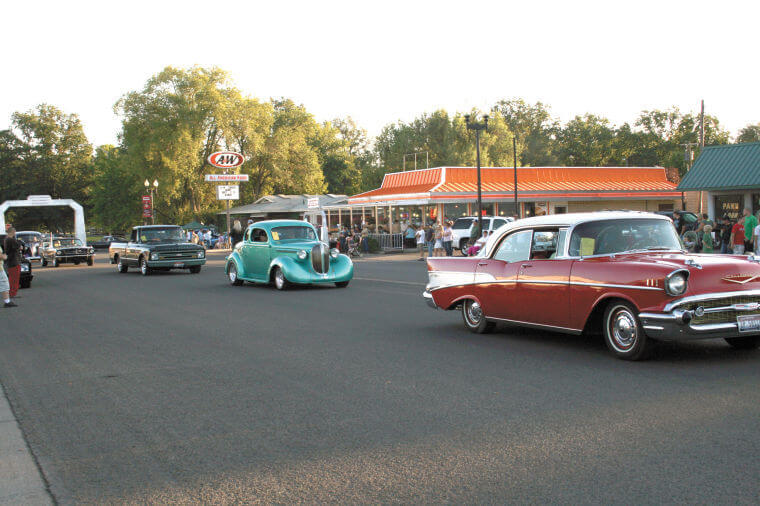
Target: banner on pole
[(228, 192)]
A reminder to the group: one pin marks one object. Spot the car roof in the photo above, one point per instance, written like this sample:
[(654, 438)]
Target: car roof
[(157, 226), (280, 223), (570, 219)]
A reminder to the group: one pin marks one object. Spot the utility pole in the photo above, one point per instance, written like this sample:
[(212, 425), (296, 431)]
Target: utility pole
[(478, 127), (701, 142), (514, 156)]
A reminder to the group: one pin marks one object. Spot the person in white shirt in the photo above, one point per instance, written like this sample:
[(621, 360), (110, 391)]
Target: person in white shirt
[(420, 237), (756, 237)]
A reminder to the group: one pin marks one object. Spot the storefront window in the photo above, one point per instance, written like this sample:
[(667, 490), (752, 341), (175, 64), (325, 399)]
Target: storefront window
[(507, 208), (530, 209), (730, 205), (454, 211), (487, 209)]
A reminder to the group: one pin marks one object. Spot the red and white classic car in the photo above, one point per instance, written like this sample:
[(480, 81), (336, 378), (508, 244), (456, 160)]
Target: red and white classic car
[(624, 273)]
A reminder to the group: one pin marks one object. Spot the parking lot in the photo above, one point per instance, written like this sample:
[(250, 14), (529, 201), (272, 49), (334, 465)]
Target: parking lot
[(181, 388)]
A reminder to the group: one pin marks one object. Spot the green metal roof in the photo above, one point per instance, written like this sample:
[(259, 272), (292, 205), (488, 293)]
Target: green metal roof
[(725, 167)]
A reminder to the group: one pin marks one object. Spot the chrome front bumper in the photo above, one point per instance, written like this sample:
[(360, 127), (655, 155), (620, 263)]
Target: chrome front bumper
[(676, 323)]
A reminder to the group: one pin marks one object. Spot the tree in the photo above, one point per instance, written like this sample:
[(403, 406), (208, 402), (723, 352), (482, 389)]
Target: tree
[(115, 205), (534, 128), (750, 133), (586, 141)]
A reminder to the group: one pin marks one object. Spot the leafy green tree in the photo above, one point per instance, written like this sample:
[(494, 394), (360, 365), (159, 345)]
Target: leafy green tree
[(534, 128), (586, 141), (116, 203), (750, 133)]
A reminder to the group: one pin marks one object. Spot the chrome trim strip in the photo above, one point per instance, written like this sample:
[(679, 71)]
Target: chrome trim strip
[(657, 316), (711, 296), (653, 327), (538, 325), (752, 306), (712, 327), (546, 282)]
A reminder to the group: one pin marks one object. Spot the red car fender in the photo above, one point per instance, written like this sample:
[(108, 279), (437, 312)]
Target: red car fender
[(601, 300)]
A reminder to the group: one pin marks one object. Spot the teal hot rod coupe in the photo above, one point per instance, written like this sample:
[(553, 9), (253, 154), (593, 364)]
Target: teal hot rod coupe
[(286, 252)]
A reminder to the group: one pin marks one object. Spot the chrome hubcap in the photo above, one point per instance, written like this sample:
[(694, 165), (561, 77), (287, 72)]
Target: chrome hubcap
[(474, 313), (623, 330), (144, 266), (279, 279), (233, 273)]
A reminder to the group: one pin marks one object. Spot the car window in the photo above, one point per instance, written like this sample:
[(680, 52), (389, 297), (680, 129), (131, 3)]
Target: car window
[(616, 236), (515, 247), (462, 223), (499, 223), (544, 244), (247, 237), (689, 218), (259, 235)]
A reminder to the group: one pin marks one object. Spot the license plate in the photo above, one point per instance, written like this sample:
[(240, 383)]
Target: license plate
[(179, 265), (749, 323)]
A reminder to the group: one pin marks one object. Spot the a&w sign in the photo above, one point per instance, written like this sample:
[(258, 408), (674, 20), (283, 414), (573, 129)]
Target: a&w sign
[(226, 159)]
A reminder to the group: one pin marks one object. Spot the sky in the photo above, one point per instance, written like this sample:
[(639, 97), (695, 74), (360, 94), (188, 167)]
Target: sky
[(384, 61)]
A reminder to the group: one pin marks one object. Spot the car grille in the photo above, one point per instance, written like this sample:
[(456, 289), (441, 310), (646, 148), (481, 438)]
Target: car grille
[(723, 310), (320, 258), (81, 251), (177, 255)]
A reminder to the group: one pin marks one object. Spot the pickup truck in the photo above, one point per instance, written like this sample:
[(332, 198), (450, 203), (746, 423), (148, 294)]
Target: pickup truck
[(157, 248)]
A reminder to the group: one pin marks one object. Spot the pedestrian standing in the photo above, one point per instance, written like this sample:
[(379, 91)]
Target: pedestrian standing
[(420, 238), (12, 250), (725, 235), (236, 235), (438, 246), (429, 239), (678, 222), (707, 239), (5, 286), (750, 222), (447, 237), (737, 236), (756, 236)]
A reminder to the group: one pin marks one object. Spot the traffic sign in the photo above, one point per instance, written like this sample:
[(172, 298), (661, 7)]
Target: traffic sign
[(226, 159), (228, 192), (226, 177)]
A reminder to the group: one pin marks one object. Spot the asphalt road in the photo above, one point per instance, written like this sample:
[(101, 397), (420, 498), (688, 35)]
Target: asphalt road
[(180, 388)]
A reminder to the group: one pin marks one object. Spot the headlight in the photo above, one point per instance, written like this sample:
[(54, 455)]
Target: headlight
[(154, 256), (201, 254), (676, 282), (58, 252), (92, 250), (302, 254), (24, 268), (334, 253)]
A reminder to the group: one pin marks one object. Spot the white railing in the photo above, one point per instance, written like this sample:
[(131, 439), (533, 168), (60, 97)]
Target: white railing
[(389, 241)]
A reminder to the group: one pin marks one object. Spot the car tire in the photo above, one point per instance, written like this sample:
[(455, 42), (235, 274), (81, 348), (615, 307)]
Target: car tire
[(744, 343), (90, 262), (623, 333), (463, 247), (121, 266), (195, 269), (280, 281), (232, 275), (56, 263), (44, 262), (144, 269), (76, 262), (474, 319), (341, 284), (25, 283)]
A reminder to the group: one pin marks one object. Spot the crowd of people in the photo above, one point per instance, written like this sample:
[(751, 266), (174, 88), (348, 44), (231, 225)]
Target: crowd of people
[(737, 236)]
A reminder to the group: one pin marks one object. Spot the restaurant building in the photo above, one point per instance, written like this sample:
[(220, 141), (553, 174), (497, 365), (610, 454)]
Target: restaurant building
[(451, 192), (728, 178)]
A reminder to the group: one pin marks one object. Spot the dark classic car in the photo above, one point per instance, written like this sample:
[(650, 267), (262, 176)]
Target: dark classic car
[(623, 273), (33, 241), (157, 247), (286, 252), (66, 250), (26, 276), (105, 241)]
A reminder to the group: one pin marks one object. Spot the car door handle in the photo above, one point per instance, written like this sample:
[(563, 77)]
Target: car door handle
[(525, 266), (482, 263)]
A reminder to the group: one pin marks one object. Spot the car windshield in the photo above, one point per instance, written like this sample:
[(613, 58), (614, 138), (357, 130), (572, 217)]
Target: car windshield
[(462, 224), (173, 234), (29, 238), (617, 236), (62, 243), (293, 233)]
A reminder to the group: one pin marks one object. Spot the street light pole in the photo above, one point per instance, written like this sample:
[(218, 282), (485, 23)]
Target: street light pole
[(152, 208), (478, 127), (514, 156)]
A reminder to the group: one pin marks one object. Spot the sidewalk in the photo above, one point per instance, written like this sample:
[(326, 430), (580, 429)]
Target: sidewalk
[(20, 480)]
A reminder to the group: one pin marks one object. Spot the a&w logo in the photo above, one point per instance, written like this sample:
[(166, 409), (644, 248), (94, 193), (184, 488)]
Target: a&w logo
[(226, 159)]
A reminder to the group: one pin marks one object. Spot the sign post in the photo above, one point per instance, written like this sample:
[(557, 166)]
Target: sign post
[(147, 204), (227, 160)]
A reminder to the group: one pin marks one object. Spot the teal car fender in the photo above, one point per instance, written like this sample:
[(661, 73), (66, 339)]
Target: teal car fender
[(300, 271), (234, 257)]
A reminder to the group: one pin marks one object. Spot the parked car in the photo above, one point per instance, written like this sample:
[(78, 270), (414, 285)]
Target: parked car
[(25, 277), (105, 241), (690, 219), (286, 252), (157, 247), (66, 250), (33, 241), (462, 228), (622, 273)]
